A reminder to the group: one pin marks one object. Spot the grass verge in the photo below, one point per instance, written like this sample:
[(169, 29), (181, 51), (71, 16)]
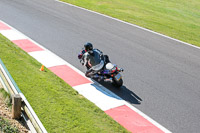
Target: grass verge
[(59, 107), (174, 18), (6, 96)]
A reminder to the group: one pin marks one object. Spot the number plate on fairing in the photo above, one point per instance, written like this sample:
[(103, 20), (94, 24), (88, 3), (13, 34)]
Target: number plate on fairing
[(118, 76)]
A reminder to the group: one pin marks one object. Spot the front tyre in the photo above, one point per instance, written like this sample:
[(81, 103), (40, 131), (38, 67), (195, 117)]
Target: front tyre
[(117, 83)]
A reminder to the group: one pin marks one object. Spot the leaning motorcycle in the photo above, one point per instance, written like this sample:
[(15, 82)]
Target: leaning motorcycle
[(109, 72)]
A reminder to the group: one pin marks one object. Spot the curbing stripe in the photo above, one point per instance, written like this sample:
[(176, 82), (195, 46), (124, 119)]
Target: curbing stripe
[(69, 75), (4, 26), (148, 118), (13, 35), (101, 98), (27, 45), (131, 120), (47, 58)]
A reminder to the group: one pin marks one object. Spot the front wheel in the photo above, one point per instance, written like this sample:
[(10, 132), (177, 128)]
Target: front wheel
[(117, 83)]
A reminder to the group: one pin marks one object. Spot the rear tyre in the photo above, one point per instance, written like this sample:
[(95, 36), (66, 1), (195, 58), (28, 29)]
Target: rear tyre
[(118, 83)]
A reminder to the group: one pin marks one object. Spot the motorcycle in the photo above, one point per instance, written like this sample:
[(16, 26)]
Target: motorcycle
[(108, 73)]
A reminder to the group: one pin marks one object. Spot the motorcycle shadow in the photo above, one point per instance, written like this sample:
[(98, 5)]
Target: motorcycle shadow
[(123, 92)]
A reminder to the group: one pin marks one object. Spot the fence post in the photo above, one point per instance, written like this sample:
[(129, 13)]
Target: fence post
[(16, 106)]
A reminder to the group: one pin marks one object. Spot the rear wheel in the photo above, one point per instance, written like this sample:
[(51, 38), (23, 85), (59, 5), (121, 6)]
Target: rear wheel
[(117, 83)]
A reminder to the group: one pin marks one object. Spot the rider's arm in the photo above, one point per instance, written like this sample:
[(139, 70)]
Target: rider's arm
[(85, 59)]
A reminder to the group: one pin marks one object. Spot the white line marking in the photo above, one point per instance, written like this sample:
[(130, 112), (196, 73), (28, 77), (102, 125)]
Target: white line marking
[(130, 24)]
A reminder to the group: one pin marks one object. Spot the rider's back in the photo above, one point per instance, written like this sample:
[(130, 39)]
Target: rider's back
[(94, 58)]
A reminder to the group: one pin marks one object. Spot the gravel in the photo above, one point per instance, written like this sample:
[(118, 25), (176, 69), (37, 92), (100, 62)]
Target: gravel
[(6, 113)]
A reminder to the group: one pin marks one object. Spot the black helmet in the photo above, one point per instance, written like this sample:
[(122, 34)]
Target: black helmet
[(88, 46)]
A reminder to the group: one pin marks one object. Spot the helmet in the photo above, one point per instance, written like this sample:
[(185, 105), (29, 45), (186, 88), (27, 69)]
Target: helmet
[(88, 46)]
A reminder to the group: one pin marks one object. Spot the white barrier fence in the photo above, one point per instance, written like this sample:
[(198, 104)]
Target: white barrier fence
[(28, 113)]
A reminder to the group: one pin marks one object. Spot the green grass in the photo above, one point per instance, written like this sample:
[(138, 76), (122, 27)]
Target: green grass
[(6, 96), (4, 93), (175, 18), (59, 107)]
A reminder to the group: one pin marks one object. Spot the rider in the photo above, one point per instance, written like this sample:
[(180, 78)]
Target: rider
[(93, 59)]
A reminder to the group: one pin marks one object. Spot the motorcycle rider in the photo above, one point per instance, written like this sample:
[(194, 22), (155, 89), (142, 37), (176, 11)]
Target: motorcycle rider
[(93, 59)]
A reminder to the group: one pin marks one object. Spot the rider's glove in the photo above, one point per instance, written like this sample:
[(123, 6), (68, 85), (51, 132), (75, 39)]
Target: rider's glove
[(80, 56)]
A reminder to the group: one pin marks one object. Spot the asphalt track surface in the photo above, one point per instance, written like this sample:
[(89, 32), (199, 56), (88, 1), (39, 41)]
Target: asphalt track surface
[(161, 76)]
